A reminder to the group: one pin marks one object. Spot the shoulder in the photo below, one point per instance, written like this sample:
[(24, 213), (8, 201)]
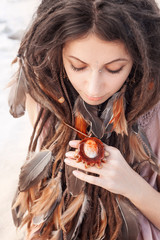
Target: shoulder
[(150, 116), (150, 123), (32, 109)]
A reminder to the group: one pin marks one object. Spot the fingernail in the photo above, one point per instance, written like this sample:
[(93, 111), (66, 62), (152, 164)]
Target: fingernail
[(67, 154), (106, 154), (72, 143), (66, 160), (75, 172)]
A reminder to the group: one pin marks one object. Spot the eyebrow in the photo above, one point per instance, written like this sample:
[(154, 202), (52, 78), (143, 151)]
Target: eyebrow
[(115, 60)]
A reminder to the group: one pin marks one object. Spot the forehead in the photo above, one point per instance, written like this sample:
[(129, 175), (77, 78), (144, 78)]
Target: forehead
[(92, 47)]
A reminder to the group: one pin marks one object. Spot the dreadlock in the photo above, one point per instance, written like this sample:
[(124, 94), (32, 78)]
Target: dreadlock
[(134, 22)]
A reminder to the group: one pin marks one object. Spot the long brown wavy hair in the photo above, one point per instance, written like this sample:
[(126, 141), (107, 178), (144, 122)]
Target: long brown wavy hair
[(134, 22)]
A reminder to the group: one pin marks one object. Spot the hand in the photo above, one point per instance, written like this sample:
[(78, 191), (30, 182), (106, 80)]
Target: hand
[(115, 175)]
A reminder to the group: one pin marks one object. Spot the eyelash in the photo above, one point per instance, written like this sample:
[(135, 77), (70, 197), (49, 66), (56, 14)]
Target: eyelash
[(81, 69), (116, 71), (77, 69)]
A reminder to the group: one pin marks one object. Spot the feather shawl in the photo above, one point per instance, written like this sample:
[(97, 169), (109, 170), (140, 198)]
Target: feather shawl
[(40, 201)]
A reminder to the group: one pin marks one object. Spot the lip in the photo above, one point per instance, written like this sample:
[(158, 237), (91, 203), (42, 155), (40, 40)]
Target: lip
[(93, 98)]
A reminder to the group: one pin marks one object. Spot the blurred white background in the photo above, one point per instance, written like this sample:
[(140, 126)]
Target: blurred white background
[(15, 16)]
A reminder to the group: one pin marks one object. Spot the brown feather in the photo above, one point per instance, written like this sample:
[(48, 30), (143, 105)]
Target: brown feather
[(130, 227), (19, 207), (57, 235), (34, 193), (33, 233), (137, 147), (15, 60), (26, 220), (72, 209), (72, 234), (90, 115), (153, 159), (34, 169), (75, 186), (51, 194), (103, 222), (141, 148)]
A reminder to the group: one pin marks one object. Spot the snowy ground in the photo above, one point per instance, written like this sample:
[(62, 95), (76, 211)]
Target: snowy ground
[(15, 15)]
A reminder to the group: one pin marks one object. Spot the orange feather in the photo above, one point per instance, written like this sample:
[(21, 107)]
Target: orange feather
[(80, 125), (119, 121)]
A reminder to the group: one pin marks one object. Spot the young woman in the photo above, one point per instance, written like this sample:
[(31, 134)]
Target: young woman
[(90, 68)]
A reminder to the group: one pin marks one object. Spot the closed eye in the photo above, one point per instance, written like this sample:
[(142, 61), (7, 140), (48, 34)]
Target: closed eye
[(77, 69), (114, 71), (110, 71)]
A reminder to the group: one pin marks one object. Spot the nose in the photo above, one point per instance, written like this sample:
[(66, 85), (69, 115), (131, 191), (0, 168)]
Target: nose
[(95, 84)]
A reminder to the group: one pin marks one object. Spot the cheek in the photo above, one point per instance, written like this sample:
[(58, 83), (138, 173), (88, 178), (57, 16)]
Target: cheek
[(124, 75), (114, 86), (116, 82), (71, 76), (75, 80)]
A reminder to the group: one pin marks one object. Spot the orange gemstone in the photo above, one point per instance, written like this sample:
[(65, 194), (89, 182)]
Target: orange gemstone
[(91, 148)]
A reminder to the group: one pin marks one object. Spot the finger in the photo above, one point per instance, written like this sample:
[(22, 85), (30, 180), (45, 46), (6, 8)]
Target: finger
[(74, 143), (71, 154), (108, 149), (88, 178), (106, 154), (81, 166)]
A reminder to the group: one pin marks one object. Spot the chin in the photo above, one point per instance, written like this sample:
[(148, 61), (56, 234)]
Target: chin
[(94, 102)]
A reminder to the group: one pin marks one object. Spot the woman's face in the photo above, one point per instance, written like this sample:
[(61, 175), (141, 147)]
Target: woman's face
[(96, 68)]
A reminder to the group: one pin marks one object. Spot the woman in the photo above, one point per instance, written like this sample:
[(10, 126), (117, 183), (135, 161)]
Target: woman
[(90, 68)]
